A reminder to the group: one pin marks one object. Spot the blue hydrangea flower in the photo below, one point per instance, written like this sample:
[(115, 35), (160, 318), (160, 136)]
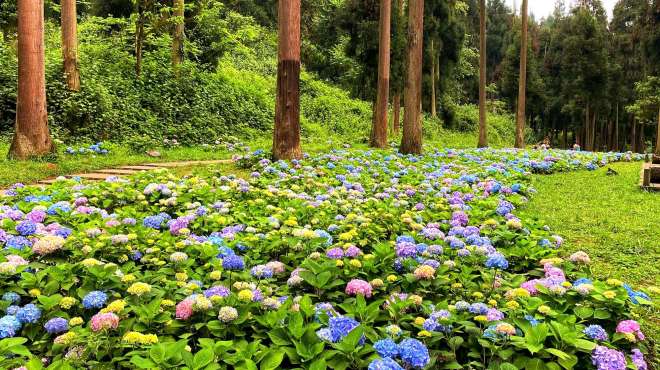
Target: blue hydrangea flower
[(595, 332), (384, 364), (12, 297), (496, 260), (387, 348), (28, 314), (9, 325), (18, 242), (154, 222), (95, 299), (26, 228), (233, 262), (414, 353), (478, 308), (56, 325)]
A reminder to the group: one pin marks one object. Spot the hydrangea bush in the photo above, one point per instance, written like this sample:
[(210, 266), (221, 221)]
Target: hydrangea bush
[(351, 259)]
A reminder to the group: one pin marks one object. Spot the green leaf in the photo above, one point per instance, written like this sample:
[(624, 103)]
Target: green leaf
[(602, 314), (535, 364), (296, 325), (584, 312), (585, 345), (455, 342), (142, 363), (279, 337), (508, 366), (272, 360), (318, 365), (203, 358), (561, 354)]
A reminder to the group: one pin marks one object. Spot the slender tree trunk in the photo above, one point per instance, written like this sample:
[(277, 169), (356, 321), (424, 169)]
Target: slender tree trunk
[(70, 44), (483, 126), (587, 129), (178, 34), (657, 139), (32, 137), (522, 82), (411, 142), (564, 139), (396, 119), (594, 144), (633, 140), (616, 130), (434, 107), (379, 129), (139, 38), (286, 134)]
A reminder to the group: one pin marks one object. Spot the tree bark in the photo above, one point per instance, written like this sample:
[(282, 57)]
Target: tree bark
[(587, 129), (616, 130), (483, 127), (178, 34), (32, 137), (379, 129), (434, 102), (286, 134), (411, 143), (522, 81), (396, 119), (633, 139), (70, 44)]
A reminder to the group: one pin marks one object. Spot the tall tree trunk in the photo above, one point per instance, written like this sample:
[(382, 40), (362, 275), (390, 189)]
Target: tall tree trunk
[(396, 119), (434, 102), (522, 81), (411, 143), (32, 137), (286, 134), (139, 38), (657, 139), (178, 34), (587, 129), (633, 139), (483, 127), (616, 130), (70, 44), (564, 138), (379, 129)]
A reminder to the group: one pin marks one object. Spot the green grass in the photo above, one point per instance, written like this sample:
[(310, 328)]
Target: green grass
[(609, 217), (31, 171)]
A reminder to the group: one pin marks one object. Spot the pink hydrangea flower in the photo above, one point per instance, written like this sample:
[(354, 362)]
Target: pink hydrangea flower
[(357, 286), (104, 321), (184, 309), (630, 327)]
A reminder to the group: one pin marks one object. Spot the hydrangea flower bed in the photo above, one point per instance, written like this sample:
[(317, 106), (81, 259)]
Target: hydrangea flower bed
[(350, 259), (94, 149)]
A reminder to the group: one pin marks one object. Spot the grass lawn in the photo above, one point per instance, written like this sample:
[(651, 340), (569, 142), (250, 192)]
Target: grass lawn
[(611, 219)]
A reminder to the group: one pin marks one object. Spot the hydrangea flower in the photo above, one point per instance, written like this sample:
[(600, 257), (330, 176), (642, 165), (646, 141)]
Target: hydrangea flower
[(28, 314), (608, 359), (94, 299), (387, 348), (56, 325), (414, 353)]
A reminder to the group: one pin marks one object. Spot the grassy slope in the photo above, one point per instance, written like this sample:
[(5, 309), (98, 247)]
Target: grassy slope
[(609, 217)]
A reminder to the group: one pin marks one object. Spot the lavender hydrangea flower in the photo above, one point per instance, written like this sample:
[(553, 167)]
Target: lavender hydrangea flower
[(608, 359)]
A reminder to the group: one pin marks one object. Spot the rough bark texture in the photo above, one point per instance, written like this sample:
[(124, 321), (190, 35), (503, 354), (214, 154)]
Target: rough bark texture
[(633, 139), (483, 128), (379, 129), (70, 44), (32, 138), (522, 83), (286, 134), (178, 34), (396, 114), (411, 143)]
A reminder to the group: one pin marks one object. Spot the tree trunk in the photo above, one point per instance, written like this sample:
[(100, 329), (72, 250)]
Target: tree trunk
[(139, 39), (564, 138), (633, 139), (616, 130), (434, 102), (587, 129), (483, 127), (32, 137), (522, 81), (178, 35), (396, 119), (411, 142), (286, 134), (379, 129), (70, 44)]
